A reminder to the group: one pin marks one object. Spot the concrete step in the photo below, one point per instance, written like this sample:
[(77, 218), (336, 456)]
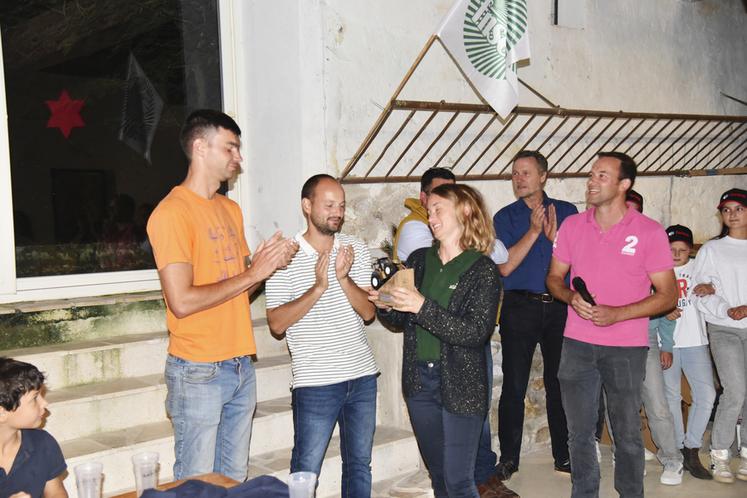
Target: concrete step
[(39, 323), (395, 453), (272, 429), (412, 485), (267, 344), (98, 360), (76, 412), (131, 355)]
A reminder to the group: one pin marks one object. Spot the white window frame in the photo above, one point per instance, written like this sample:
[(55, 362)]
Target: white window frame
[(14, 289)]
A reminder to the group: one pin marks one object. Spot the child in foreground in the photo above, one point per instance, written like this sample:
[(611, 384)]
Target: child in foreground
[(31, 462)]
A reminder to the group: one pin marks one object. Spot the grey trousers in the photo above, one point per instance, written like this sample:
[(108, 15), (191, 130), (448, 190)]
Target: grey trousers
[(729, 349), (660, 420)]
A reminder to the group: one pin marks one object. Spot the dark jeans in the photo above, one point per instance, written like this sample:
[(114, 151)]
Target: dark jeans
[(486, 457), (448, 442), (316, 410), (583, 369), (600, 420), (525, 323)]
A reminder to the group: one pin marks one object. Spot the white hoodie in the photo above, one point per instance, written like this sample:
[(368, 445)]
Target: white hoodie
[(723, 263)]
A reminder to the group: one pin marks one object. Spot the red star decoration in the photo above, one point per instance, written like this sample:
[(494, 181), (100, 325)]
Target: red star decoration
[(65, 114)]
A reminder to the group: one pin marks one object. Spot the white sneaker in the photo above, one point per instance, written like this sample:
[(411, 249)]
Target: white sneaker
[(720, 466), (599, 451), (742, 472), (672, 475), (648, 455)]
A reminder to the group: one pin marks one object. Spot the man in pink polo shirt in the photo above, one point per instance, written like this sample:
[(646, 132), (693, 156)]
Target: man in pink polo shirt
[(620, 254)]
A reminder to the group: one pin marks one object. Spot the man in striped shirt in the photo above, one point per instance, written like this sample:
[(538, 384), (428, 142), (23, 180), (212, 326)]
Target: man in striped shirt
[(320, 302)]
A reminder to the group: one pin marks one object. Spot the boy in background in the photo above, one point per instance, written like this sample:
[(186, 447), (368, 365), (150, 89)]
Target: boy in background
[(689, 354), (31, 462)]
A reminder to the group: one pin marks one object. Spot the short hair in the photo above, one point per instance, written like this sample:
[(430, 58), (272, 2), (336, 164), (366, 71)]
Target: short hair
[(478, 233), (628, 168), (307, 191), (433, 173), (537, 156), (16, 379), (200, 122)]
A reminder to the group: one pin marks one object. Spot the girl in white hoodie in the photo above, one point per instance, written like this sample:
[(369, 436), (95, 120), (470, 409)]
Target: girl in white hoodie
[(721, 272)]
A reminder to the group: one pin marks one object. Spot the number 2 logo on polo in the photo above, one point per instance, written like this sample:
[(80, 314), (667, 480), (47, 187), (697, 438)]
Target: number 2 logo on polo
[(629, 248)]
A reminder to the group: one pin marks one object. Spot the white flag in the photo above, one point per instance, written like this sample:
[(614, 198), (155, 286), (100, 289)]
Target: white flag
[(141, 110), (486, 38)]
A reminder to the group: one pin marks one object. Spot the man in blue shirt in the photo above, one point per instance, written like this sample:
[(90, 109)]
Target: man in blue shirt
[(530, 315)]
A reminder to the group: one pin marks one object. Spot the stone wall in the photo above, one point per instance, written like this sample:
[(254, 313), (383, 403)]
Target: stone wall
[(313, 97)]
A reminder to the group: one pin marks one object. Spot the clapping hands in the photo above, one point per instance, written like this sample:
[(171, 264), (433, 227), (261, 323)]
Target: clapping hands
[(544, 220), (273, 253)]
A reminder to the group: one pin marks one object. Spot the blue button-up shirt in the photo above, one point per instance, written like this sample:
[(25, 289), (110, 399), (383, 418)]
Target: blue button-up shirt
[(511, 223)]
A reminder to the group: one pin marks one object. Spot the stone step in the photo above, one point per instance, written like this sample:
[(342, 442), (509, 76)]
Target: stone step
[(97, 360), (106, 359), (395, 453), (40, 323), (267, 344), (78, 411), (272, 429)]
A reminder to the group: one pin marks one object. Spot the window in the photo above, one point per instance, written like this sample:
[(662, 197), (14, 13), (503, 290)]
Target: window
[(96, 93)]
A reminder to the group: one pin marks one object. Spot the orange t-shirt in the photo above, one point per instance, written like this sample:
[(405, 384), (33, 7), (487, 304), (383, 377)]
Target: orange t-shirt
[(209, 235)]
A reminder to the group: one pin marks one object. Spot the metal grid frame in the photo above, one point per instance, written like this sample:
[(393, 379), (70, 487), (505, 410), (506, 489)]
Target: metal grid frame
[(470, 139)]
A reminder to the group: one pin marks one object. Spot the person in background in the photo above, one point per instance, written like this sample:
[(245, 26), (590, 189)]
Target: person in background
[(413, 231), (684, 345), (447, 320), (31, 462), (634, 200), (530, 315), (721, 276)]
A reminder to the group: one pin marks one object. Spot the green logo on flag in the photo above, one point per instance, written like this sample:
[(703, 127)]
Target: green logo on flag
[(491, 29)]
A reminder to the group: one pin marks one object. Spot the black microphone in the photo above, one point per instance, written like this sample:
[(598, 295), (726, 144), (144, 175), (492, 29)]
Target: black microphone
[(580, 286)]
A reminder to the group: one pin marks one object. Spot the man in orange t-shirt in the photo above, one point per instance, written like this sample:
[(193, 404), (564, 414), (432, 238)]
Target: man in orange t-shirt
[(198, 242)]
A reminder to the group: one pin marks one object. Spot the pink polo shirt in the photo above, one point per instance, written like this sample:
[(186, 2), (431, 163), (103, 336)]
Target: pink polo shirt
[(615, 265)]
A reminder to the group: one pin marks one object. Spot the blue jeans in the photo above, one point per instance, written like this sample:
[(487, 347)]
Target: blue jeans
[(447, 442), (211, 406), (486, 457), (583, 369), (729, 348), (352, 405), (696, 363), (660, 419)]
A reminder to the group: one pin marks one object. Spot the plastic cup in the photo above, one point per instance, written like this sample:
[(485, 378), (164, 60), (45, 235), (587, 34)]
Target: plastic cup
[(88, 479), (301, 485), (145, 467)]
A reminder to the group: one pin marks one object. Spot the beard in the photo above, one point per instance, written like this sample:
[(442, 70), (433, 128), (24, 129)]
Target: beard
[(325, 227)]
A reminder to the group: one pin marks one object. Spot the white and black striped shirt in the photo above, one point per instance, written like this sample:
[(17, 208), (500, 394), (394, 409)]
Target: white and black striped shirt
[(328, 345)]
